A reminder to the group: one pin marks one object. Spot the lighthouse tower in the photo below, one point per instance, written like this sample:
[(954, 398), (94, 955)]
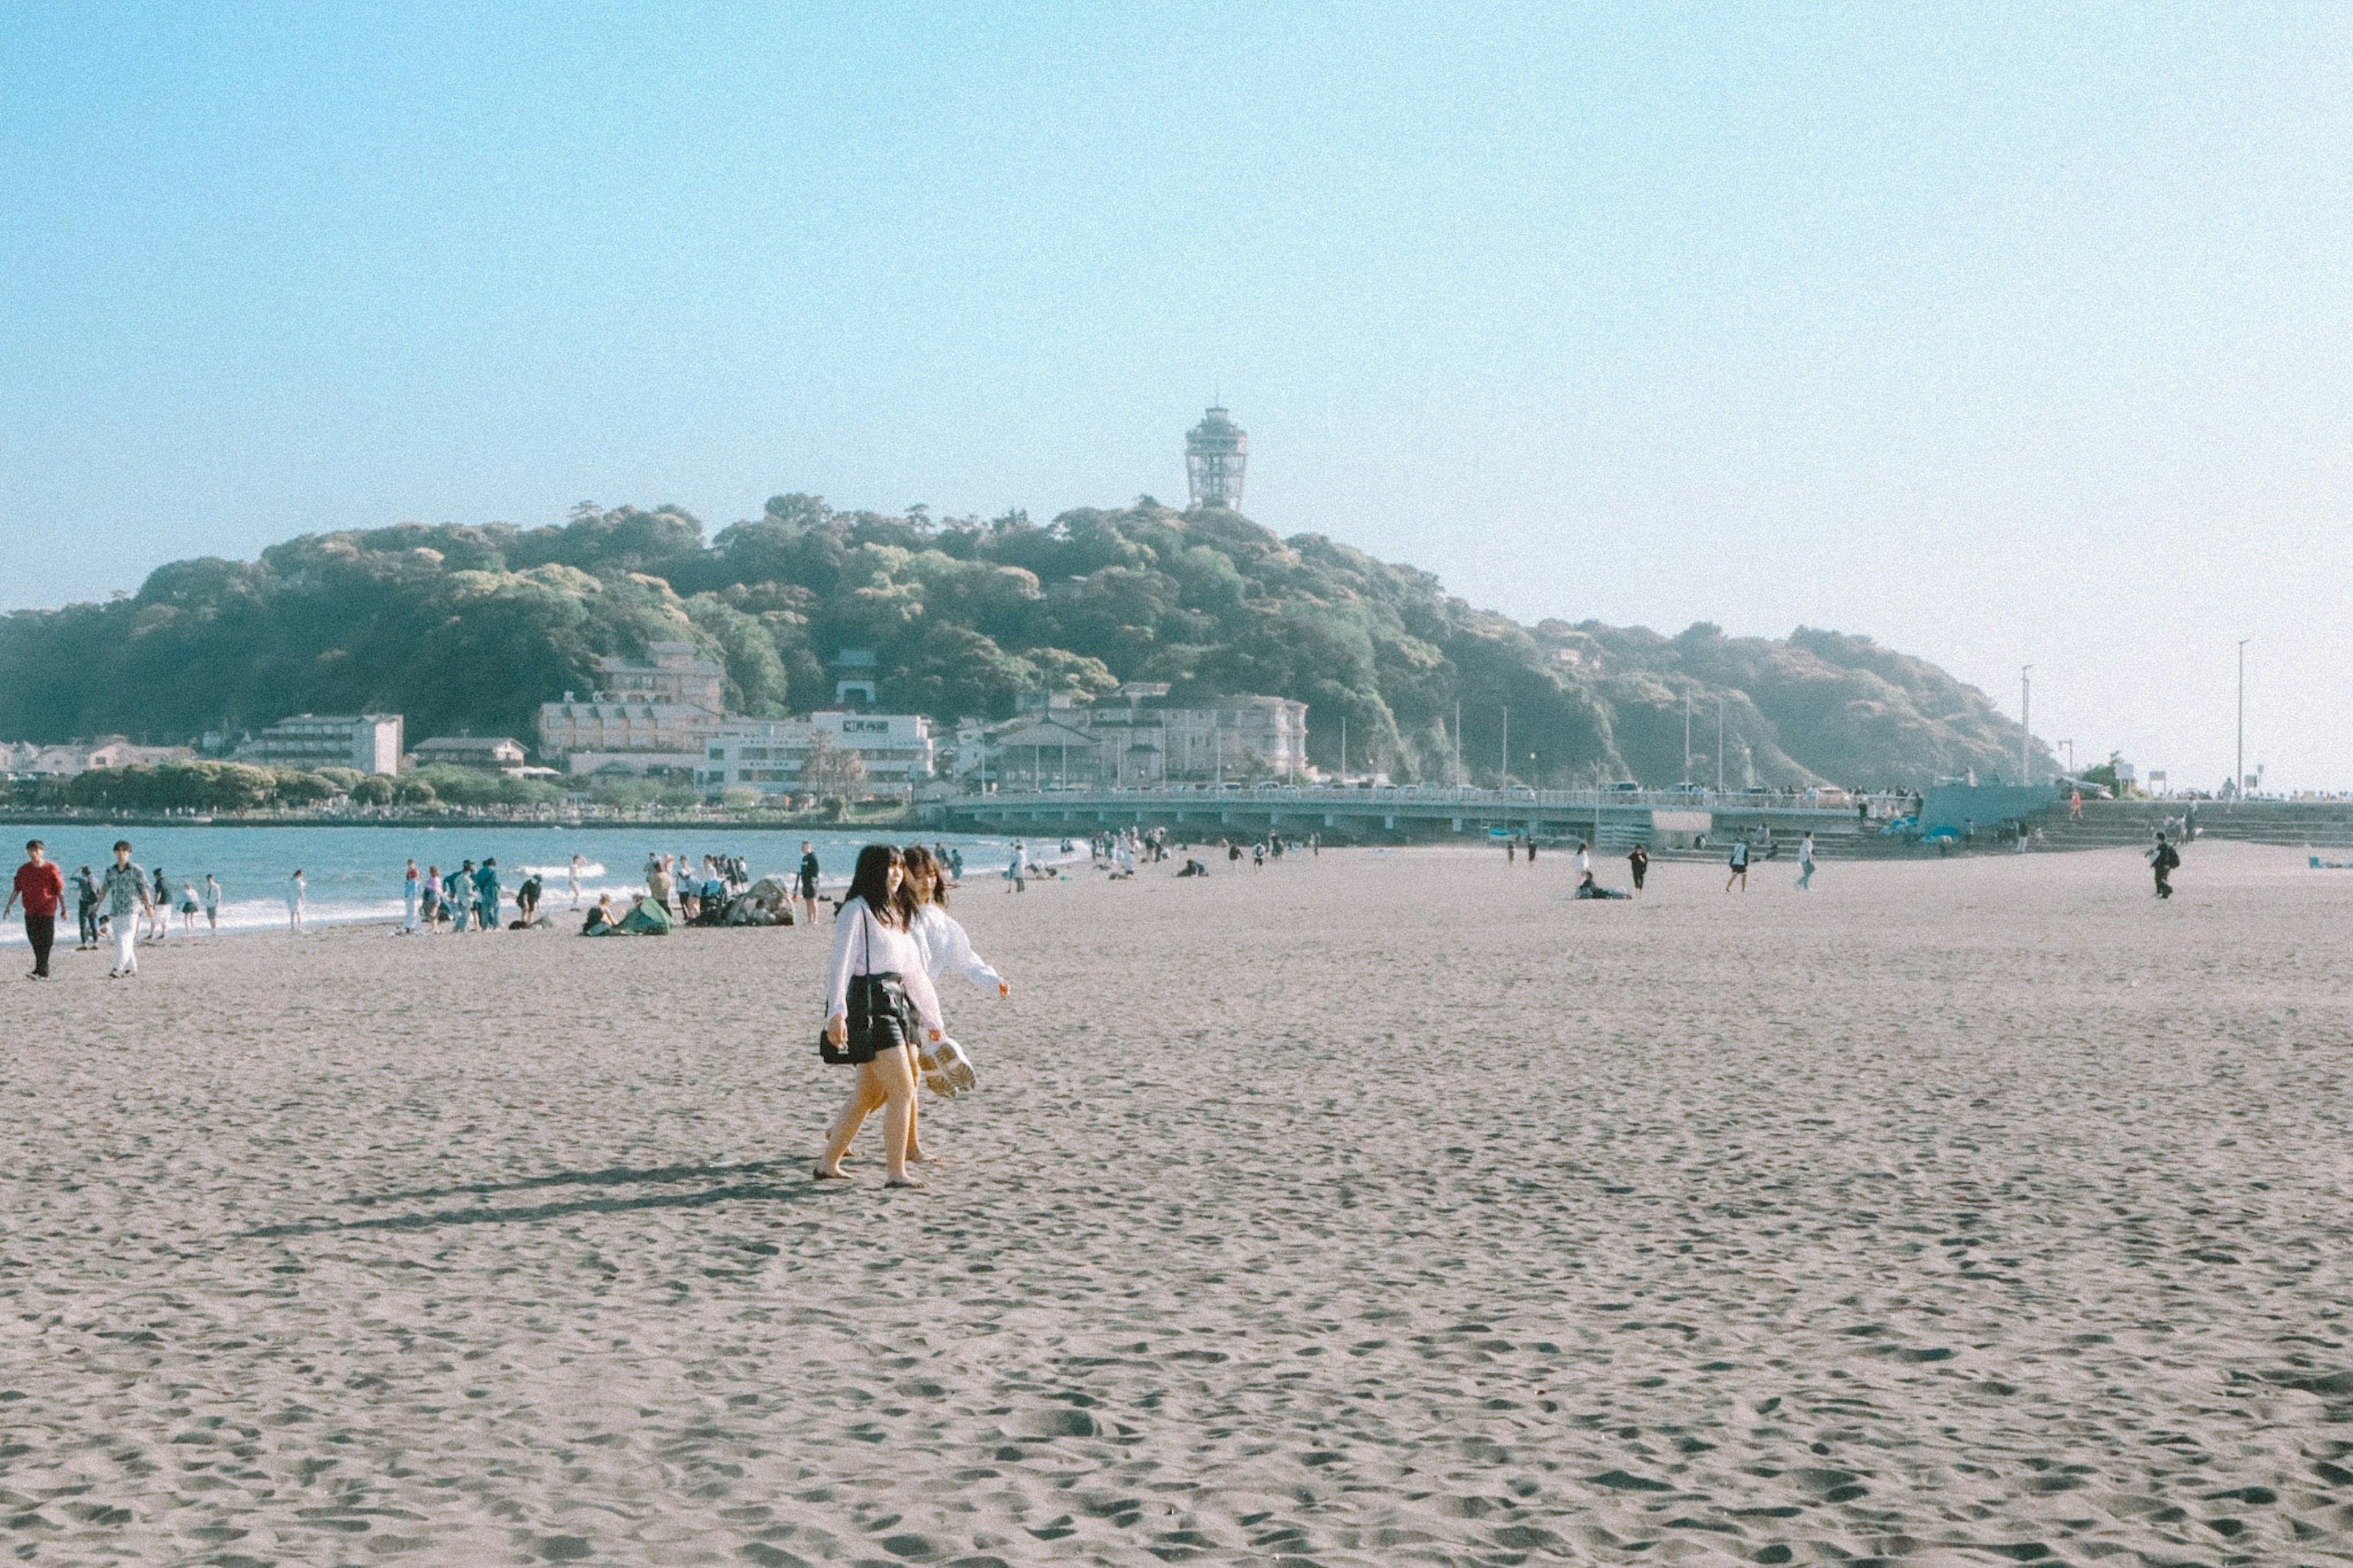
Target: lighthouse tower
[(1215, 452)]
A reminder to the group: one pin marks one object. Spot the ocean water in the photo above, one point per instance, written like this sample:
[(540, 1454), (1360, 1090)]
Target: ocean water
[(355, 873)]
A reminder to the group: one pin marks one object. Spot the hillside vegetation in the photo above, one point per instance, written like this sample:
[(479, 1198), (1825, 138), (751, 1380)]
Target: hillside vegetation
[(470, 626)]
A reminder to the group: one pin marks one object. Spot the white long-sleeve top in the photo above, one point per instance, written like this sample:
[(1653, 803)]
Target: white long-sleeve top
[(864, 945), (946, 950)]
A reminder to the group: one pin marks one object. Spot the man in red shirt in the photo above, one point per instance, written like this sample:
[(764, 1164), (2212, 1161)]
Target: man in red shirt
[(42, 887)]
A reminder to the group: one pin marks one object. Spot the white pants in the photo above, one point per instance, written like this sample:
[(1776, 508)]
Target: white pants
[(126, 943), (294, 913), (408, 921)]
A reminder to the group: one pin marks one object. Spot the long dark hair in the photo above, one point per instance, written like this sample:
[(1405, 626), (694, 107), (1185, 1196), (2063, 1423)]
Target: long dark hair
[(871, 882), (922, 862)]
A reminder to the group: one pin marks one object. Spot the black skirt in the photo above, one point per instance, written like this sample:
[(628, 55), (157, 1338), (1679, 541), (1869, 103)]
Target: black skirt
[(882, 1018)]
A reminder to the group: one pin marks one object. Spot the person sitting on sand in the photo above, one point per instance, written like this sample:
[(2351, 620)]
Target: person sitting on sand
[(1590, 889), (878, 997), (600, 918)]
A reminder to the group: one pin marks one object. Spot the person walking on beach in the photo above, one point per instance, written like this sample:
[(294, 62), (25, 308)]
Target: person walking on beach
[(2162, 858), (808, 875), (298, 900), (1016, 870), (1806, 863), (1739, 863), (85, 896), (947, 949), (159, 909), (1638, 862), (572, 875), (486, 884), (188, 908), (878, 997), (42, 886), (411, 885), (125, 894), (211, 898)]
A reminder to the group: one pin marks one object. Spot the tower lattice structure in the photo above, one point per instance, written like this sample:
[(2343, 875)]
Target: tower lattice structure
[(1215, 452)]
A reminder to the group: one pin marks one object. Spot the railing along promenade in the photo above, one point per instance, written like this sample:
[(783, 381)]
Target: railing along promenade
[(1422, 808)]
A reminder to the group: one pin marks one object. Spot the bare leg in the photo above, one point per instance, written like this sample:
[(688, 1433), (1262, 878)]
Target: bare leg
[(915, 1154), (898, 1080), (869, 1094)]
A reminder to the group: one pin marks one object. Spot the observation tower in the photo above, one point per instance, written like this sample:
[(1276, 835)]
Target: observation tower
[(1215, 452)]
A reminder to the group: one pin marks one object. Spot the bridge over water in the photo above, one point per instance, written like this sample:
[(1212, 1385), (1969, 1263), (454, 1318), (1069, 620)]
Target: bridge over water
[(1412, 813)]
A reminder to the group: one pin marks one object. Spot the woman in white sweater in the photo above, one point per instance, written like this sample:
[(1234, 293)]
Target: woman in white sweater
[(877, 991), (946, 950)]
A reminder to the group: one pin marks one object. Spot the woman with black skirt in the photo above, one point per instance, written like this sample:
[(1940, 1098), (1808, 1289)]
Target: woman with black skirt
[(878, 999)]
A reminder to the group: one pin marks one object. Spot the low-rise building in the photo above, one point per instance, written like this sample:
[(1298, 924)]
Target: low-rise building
[(1137, 737), (653, 714), (493, 753), (30, 759), (369, 743), (895, 752)]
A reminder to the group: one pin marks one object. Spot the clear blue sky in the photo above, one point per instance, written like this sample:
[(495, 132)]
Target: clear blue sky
[(2000, 335)]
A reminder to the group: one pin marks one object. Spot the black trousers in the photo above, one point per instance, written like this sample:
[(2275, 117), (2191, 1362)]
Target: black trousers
[(90, 924), (41, 930)]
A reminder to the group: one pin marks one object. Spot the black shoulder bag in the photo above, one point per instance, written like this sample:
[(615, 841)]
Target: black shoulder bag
[(840, 1055)]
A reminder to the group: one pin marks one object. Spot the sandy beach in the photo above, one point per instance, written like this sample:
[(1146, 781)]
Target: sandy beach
[(1375, 1208)]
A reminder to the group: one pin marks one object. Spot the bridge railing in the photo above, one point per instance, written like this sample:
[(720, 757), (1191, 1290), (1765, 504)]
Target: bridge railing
[(1881, 804)]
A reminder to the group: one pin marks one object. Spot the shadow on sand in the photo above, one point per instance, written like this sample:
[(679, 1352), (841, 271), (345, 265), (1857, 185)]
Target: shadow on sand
[(741, 1192)]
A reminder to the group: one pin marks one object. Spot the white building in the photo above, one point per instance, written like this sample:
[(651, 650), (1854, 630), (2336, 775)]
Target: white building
[(895, 751), (369, 743), (30, 759), (495, 753), (1135, 737)]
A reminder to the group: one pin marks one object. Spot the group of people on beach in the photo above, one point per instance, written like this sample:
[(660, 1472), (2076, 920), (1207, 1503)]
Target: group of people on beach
[(125, 904)]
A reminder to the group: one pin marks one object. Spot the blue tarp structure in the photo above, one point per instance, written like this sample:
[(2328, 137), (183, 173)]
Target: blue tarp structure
[(1960, 806)]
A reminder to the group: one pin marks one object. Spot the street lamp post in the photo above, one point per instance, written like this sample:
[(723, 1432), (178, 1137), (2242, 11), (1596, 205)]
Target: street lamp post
[(1687, 718), (2239, 775), (2025, 724), (1719, 745), (1506, 748)]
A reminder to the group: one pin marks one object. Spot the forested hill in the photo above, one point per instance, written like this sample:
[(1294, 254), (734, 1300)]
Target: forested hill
[(463, 626)]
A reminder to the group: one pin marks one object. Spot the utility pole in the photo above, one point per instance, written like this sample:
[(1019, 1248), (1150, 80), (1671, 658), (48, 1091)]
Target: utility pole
[(1687, 707), (1343, 748), (1458, 743), (1719, 745), (2239, 778), (2025, 733), (1506, 749)]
